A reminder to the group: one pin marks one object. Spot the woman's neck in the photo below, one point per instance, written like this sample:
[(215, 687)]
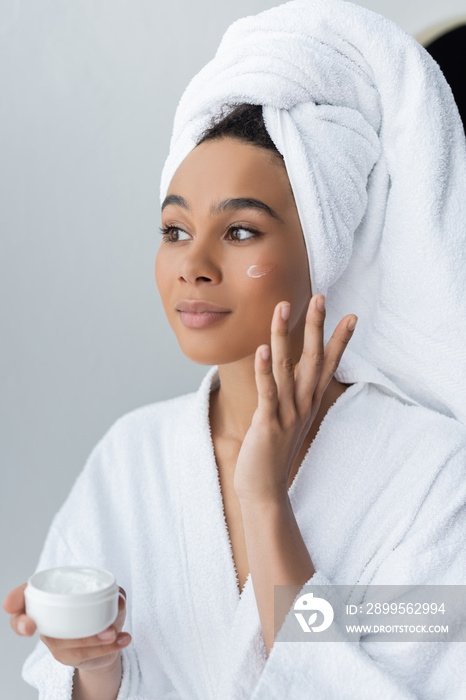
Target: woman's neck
[(233, 403)]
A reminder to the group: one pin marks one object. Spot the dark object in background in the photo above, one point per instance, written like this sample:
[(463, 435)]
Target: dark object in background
[(449, 50)]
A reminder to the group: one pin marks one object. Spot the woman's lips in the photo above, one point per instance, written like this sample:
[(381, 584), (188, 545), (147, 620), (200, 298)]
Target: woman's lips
[(201, 320)]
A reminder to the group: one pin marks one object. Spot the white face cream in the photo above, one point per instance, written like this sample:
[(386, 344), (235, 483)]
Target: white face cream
[(82, 580), (260, 270), (72, 602)]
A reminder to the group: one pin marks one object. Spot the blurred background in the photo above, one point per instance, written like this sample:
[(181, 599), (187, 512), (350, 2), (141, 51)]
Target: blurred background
[(89, 91)]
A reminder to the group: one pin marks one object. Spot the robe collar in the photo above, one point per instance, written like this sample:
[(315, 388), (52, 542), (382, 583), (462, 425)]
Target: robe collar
[(223, 618), (227, 622)]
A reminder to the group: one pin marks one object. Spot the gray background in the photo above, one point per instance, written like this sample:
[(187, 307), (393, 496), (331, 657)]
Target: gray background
[(88, 95)]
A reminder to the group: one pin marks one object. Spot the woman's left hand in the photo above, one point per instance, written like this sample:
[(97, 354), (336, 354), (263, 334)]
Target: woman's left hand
[(288, 401)]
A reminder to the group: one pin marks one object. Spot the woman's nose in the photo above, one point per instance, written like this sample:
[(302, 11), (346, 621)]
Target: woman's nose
[(198, 261)]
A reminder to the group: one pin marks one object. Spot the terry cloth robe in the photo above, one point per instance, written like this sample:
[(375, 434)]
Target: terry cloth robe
[(379, 499)]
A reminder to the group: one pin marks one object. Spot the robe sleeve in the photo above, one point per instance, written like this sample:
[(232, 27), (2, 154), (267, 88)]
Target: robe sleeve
[(85, 532), (432, 551), (52, 679)]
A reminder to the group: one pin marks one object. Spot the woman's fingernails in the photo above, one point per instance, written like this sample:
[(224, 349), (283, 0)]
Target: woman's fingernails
[(285, 311), (352, 323), (320, 303), (265, 352), (22, 627), (123, 639)]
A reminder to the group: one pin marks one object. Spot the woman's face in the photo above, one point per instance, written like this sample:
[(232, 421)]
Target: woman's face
[(210, 255)]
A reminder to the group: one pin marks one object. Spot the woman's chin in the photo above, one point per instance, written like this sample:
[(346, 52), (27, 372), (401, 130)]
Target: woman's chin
[(204, 357)]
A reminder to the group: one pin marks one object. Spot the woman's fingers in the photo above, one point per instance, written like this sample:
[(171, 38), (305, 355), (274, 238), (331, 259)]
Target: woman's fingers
[(284, 389), (312, 358), (23, 625), (106, 637), (75, 656), (98, 641), (97, 651), (73, 652), (266, 386), (15, 604), (282, 363), (318, 365), (120, 619), (334, 350), (275, 370)]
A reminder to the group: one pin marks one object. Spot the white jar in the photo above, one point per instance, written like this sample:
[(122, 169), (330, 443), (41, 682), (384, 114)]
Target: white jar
[(72, 602)]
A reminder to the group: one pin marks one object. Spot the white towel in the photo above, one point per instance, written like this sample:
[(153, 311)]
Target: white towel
[(376, 155)]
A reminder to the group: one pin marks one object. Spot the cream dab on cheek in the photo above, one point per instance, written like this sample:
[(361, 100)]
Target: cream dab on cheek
[(260, 270)]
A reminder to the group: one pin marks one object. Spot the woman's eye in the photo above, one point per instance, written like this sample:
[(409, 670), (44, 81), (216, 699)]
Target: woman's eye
[(242, 228), (168, 231)]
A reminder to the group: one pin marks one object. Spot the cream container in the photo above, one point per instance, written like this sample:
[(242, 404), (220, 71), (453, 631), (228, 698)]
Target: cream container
[(71, 602)]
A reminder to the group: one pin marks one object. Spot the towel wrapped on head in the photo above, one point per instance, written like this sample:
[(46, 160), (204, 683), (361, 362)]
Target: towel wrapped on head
[(375, 152)]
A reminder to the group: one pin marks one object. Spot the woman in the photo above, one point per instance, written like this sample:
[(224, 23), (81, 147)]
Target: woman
[(307, 466)]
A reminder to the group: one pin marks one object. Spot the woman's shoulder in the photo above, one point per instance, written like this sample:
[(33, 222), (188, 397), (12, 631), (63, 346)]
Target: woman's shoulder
[(136, 442), (159, 418), (149, 418), (130, 455)]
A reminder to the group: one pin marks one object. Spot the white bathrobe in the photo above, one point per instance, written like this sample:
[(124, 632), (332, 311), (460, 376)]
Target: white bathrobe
[(379, 498)]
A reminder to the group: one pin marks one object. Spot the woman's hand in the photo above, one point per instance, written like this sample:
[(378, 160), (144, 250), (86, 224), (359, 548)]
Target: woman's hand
[(289, 399), (89, 653)]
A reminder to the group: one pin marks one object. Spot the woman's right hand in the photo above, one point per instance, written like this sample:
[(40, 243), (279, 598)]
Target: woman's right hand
[(86, 654)]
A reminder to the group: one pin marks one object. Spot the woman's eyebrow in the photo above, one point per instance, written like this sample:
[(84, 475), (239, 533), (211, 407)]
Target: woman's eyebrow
[(231, 204)]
